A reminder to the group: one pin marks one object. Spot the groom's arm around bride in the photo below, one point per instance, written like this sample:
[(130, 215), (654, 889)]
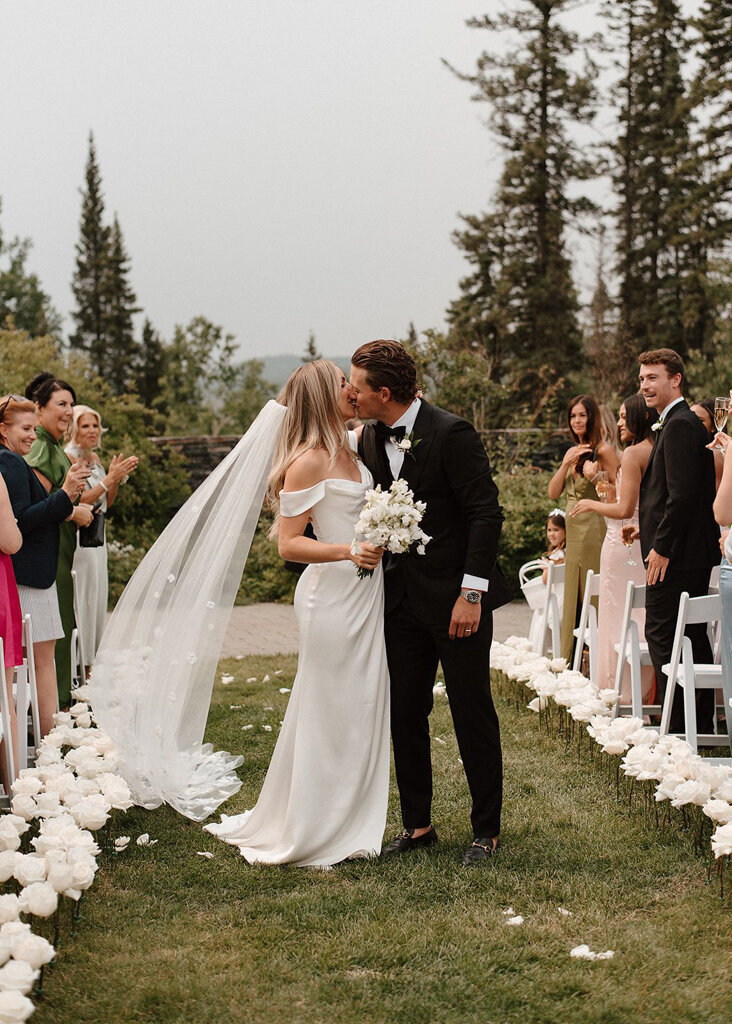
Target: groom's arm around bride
[(438, 605)]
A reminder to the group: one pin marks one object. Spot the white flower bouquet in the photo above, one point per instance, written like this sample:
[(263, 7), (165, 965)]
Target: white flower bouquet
[(390, 519)]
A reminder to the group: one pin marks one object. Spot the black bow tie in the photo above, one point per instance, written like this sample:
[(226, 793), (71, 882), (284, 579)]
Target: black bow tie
[(385, 433)]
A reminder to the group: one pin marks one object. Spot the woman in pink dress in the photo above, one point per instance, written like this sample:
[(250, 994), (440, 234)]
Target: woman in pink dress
[(634, 427), (11, 623)]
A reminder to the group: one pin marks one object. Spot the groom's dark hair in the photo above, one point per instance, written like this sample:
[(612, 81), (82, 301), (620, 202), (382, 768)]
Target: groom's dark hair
[(388, 365)]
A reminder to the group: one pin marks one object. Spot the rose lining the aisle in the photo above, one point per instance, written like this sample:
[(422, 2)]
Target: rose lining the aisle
[(702, 791)]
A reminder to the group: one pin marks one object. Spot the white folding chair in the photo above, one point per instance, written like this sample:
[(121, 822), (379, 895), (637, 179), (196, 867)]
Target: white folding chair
[(681, 671), (26, 699), (633, 652), (545, 600), (78, 661), (6, 732), (586, 632)]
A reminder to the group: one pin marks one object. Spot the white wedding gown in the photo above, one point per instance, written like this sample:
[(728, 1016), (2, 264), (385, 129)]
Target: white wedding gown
[(324, 798)]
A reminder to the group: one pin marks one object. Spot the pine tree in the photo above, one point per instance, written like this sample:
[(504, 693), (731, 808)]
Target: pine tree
[(311, 350), (661, 256), (519, 307), (121, 351), (149, 371), (21, 296), (92, 252)]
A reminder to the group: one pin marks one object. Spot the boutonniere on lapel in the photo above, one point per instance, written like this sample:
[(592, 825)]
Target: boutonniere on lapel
[(658, 425), (406, 444)]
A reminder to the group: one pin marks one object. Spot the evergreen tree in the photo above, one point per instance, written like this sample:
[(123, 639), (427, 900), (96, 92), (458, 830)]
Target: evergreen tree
[(149, 373), (92, 251), (199, 375), (311, 350), (519, 307), (121, 350), (21, 296), (661, 256), (608, 376)]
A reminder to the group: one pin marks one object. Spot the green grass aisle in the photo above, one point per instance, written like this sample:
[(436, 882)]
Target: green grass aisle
[(173, 938)]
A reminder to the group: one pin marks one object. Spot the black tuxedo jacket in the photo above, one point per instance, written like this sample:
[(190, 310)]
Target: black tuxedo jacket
[(449, 470), (677, 492), (38, 514)]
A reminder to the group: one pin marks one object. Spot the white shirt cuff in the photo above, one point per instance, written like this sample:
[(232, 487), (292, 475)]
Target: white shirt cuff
[(474, 583)]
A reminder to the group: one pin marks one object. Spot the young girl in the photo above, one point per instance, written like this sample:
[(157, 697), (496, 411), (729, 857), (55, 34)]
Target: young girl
[(556, 535)]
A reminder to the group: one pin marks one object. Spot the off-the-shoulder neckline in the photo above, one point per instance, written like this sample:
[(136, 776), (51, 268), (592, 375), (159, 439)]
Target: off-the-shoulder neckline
[(326, 480)]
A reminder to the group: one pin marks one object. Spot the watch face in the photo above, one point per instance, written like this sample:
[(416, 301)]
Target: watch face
[(472, 596)]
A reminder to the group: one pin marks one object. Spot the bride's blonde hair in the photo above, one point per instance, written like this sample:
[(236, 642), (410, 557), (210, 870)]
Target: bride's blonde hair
[(313, 422)]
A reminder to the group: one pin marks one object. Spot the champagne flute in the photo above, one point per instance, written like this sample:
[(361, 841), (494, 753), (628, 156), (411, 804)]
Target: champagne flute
[(601, 483), (627, 530), (721, 412)]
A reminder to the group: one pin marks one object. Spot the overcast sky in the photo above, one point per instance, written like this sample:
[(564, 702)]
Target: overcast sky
[(276, 165)]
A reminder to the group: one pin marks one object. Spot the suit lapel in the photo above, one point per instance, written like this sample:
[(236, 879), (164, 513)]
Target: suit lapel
[(374, 455), (415, 461)]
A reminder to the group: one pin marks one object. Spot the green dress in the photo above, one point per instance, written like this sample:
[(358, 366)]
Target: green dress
[(50, 459), (585, 535)]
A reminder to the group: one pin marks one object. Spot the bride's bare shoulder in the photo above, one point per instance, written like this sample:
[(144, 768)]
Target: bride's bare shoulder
[(307, 470)]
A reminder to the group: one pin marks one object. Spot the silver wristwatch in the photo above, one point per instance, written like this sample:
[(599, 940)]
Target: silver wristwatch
[(471, 596)]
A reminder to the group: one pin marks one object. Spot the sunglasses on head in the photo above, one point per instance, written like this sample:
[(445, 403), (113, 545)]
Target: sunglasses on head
[(6, 403)]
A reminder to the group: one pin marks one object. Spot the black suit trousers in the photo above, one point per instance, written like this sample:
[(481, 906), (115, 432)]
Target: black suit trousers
[(662, 609), (413, 652)]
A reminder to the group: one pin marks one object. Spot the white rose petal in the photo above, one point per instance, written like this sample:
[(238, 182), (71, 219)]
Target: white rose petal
[(121, 843), (252, 679), (204, 853), (515, 920), (227, 679), (29, 868), (285, 689), (245, 727), (565, 913), (508, 912), (7, 864), (145, 840)]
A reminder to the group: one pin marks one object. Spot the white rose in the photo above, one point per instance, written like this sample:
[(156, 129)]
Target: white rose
[(28, 786), (722, 840), (80, 708), (14, 1007), (62, 718), (22, 805), (34, 949), (9, 907), (92, 812), (82, 875), (7, 864), (13, 931), (17, 976), (84, 721), (30, 867), (48, 755), (6, 948), (39, 899), (60, 876), (718, 810), (48, 804)]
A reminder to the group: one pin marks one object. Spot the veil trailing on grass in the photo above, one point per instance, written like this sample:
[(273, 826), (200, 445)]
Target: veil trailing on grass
[(153, 676)]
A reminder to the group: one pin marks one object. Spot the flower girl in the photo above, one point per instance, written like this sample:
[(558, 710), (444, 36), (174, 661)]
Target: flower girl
[(556, 535)]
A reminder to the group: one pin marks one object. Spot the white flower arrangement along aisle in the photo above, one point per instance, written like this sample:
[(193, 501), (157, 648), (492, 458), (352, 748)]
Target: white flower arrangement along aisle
[(669, 775), (48, 849)]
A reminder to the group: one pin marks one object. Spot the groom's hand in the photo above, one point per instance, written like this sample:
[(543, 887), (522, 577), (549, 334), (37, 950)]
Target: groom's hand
[(465, 619)]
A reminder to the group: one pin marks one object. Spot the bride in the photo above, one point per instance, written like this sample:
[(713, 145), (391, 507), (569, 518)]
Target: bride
[(325, 795)]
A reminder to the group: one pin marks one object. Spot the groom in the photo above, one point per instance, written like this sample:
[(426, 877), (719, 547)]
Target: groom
[(437, 605)]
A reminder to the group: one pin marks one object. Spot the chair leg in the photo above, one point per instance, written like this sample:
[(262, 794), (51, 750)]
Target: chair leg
[(689, 689), (668, 701)]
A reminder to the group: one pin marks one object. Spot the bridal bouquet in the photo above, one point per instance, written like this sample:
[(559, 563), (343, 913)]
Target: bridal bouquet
[(390, 519)]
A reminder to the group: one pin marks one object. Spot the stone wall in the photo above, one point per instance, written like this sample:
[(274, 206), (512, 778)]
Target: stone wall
[(201, 454)]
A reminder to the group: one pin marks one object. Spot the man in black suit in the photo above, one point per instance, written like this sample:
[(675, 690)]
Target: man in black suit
[(679, 537), (437, 605)]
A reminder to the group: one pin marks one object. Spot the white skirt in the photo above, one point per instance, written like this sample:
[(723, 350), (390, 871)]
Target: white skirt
[(42, 606)]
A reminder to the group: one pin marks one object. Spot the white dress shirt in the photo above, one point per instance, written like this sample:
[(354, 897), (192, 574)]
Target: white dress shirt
[(396, 461), (662, 415)]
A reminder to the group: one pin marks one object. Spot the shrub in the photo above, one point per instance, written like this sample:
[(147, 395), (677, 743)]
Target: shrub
[(523, 494)]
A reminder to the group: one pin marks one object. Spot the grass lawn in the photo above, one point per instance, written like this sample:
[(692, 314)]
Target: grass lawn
[(171, 937)]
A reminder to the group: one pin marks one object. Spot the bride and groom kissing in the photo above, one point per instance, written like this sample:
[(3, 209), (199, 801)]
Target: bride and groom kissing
[(369, 647)]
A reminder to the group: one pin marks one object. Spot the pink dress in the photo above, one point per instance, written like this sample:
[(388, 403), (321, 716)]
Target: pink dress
[(614, 576), (11, 620)]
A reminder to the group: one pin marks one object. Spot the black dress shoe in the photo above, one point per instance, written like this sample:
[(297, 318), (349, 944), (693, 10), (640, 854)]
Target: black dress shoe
[(481, 851), (404, 842)]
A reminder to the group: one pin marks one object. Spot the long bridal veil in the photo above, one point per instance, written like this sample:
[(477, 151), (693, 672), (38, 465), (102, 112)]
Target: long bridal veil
[(153, 676)]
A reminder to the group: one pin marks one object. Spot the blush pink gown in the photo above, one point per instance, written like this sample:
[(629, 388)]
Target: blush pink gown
[(614, 576), (11, 620)]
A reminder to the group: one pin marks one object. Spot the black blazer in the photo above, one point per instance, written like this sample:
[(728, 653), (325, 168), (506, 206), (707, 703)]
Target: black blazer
[(450, 471), (38, 514), (677, 493)]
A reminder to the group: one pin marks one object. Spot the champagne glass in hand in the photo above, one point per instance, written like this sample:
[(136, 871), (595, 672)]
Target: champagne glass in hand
[(601, 484), (721, 412), (627, 531)]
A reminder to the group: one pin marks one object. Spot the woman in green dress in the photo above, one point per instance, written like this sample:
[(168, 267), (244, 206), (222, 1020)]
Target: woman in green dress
[(580, 465), (54, 401)]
